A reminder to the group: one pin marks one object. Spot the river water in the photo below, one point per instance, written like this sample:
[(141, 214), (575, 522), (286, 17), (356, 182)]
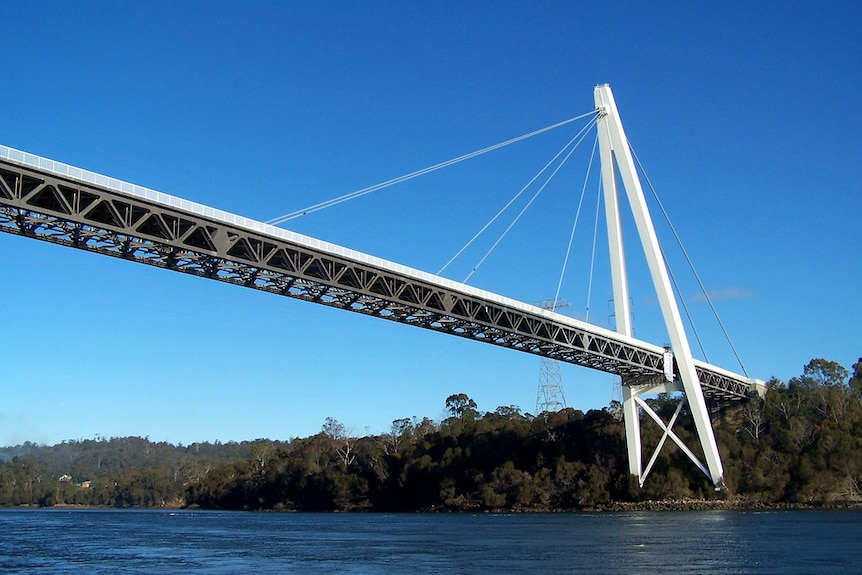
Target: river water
[(95, 541)]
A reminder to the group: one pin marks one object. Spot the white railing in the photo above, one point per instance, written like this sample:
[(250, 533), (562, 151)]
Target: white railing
[(86, 176)]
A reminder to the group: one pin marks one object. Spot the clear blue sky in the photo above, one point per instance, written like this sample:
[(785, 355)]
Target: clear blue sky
[(747, 116)]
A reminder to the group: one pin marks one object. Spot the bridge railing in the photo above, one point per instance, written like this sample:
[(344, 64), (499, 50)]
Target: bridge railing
[(93, 178), (575, 342)]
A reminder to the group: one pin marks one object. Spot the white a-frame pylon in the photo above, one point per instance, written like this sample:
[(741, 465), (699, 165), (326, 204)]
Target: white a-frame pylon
[(618, 168)]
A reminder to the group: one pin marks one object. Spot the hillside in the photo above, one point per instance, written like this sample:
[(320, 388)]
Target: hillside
[(800, 445)]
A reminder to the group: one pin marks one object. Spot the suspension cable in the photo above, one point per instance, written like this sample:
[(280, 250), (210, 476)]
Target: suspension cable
[(681, 299), (582, 134), (410, 176), (593, 254), (515, 197), (690, 263), (577, 217)]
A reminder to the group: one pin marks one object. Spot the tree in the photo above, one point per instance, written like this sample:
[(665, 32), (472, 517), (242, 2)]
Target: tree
[(823, 373), (400, 430), (753, 419), (461, 406), (336, 432), (855, 382), (509, 412), (262, 451)]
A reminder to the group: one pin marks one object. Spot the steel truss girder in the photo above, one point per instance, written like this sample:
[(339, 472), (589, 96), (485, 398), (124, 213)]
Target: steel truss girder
[(42, 205)]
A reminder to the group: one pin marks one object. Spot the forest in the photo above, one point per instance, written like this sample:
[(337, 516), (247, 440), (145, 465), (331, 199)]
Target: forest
[(801, 444)]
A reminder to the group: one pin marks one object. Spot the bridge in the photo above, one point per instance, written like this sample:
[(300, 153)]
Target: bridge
[(50, 201)]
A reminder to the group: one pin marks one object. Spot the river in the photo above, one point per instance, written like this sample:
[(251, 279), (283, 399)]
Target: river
[(96, 541)]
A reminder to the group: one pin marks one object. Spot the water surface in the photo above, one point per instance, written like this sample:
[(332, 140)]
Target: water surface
[(159, 542)]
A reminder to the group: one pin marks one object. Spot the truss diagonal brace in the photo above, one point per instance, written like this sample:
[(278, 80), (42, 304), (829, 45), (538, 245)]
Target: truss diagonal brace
[(668, 432)]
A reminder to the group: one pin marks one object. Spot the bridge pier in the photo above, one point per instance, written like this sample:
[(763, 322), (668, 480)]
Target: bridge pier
[(631, 417)]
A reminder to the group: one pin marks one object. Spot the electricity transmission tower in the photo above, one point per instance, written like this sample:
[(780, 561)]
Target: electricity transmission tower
[(550, 396)]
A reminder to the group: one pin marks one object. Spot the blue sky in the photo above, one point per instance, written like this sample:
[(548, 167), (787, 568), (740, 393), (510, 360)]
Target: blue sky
[(746, 116)]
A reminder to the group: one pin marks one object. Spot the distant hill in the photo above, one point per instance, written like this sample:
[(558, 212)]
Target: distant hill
[(800, 445)]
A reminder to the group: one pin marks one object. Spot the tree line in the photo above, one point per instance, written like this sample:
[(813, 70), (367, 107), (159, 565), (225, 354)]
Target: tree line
[(800, 444)]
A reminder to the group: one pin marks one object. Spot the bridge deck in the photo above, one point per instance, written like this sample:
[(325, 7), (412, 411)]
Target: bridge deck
[(55, 202)]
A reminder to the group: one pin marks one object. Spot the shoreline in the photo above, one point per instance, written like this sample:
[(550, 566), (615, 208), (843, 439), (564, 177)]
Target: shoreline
[(737, 504)]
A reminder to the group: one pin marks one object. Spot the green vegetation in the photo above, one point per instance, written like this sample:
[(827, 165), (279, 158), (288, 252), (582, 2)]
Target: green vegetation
[(801, 444)]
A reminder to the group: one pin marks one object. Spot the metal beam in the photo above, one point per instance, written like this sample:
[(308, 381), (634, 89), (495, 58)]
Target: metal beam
[(615, 151), (57, 203)]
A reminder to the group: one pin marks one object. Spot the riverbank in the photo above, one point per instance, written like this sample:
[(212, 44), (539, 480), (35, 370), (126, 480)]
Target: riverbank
[(730, 504)]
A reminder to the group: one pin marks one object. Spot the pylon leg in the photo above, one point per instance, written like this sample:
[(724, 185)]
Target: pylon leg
[(633, 432), (614, 152)]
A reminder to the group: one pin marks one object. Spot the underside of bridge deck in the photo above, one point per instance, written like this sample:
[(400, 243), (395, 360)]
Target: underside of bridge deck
[(39, 203)]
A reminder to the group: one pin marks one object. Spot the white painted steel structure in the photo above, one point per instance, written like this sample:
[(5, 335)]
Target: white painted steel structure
[(51, 201), (167, 200), (619, 171)]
